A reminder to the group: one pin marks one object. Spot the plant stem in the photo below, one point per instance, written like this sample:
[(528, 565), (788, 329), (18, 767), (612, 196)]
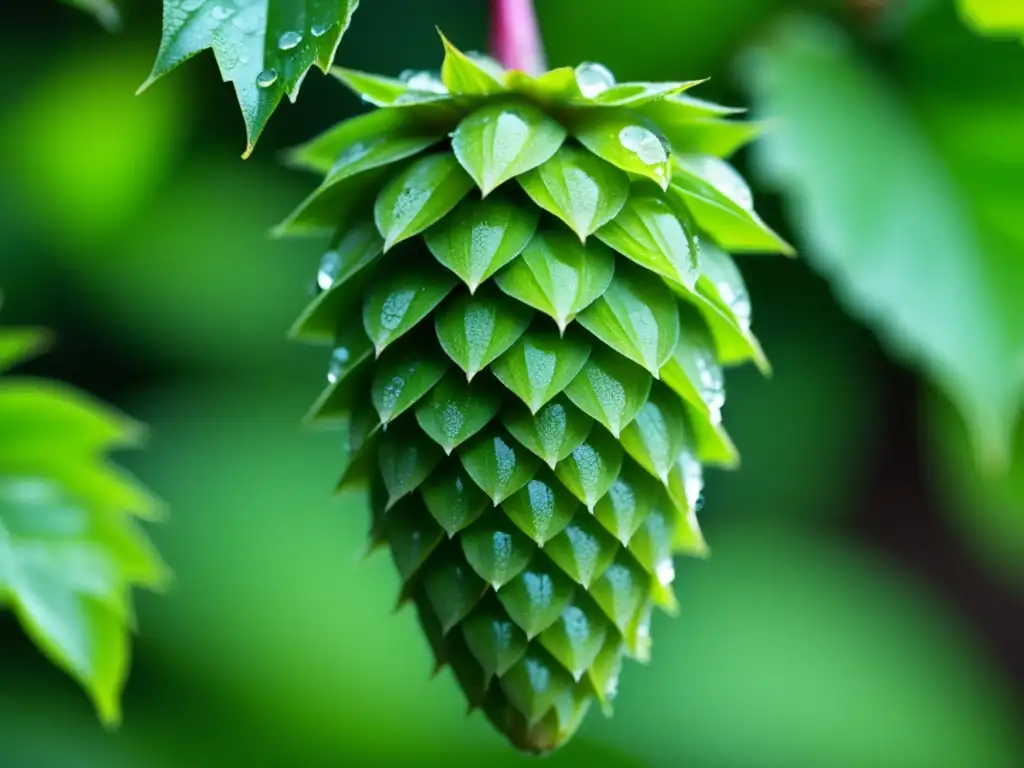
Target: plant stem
[(515, 38)]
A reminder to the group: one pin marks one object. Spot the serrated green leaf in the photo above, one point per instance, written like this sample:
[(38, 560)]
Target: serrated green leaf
[(637, 316), (722, 205), (412, 536), (711, 136), (344, 272), (452, 498), (592, 467), (536, 597), (500, 141), (265, 49), (419, 196), (498, 464), (406, 457), (104, 11), (393, 92), (496, 549), (402, 298), (630, 499), (451, 586), (658, 434), (456, 410), (542, 509), (583, 550), (540, 365), (578, 636), (401, 379), (579, 188), (648, 232), (466, 76), (535, 683), (693, 371), (474, 330), (554, 432), (621, 589), (610, 389), (480, 237), (558, 276), (493, 638), (627, 141), (19, 344)]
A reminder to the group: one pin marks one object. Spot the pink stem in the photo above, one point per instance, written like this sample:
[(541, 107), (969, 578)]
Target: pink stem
[(516, 37)]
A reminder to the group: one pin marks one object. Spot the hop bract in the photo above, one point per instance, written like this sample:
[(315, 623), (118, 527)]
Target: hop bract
[(530, 307)]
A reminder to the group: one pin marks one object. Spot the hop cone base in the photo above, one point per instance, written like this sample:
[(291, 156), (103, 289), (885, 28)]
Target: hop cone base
[(530, 312)]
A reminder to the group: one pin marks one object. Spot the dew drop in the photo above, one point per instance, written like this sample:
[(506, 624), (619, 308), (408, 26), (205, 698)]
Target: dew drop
[(319, 30), (593, 79), (644, 143), (422, 80), (698, 505), (289, 40), (330, 267), (266, 78), (339, 359)]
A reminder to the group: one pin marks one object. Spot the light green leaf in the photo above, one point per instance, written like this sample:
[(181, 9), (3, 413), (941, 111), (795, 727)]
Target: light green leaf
[(536, 597), (994, 17), (628, 502), (578, 636), (682, 108), (711, 136), (18, 344), (500, 141), (496, 549), (535, 683), (658, 434), (627, 141), (637, 316), (649, 233), (553, 87), (558, 275), (418, 197), (621, 590), (465, 76), (712, 443), (610, 388), (480, 237), (402, 377), (579, 188), (583, 550), (402, 297), (926, 263), (722, 205), (693, 371), (636, 94), (405, 457), (452, 498), (591, 468), (540, 365), (456, 410), (498, 464), (541, 509), (105, 12), (428, 94), (475, 330), (265, 49), (554, 432)]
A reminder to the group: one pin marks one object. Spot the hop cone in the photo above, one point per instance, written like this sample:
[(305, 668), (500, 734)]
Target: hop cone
[(529, 317)]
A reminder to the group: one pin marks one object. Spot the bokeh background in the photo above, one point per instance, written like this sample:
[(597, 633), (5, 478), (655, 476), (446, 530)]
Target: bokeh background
[(865, 602)]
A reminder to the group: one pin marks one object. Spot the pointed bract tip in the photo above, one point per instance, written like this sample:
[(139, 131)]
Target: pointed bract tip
[(552, 463), (145, 85)]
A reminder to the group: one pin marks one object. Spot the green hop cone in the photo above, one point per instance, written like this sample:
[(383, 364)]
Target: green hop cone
[(530, 307)]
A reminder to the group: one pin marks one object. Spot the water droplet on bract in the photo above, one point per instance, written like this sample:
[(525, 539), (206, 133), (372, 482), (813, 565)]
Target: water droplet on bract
[(266, 78), (698, 505), (220, 13), (330, 266), (319, 30), (644, 143), (422, 80), (289, 40), (339, 359), (593, 79), (188, 6)]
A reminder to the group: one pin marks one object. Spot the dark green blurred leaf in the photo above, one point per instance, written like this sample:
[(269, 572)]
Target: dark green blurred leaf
[(264, 48), (105, 11)]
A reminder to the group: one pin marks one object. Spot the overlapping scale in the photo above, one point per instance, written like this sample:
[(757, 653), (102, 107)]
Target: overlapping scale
[(529, 321)]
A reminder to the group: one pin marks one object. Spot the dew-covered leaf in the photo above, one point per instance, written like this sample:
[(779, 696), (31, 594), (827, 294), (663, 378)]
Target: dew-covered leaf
[(264, 49), (536, 597), (426, 96), (465, 76), (583, 549), (420, 196), (658, 434), (541, 509), (610, 389), (554, 432), (455, 410), (693, 371), (621, 590), (498, 464), (406, 457), (500, 141), (711, 136), (578, 636), (452, 498), (652, 545), (451, 586), (480, 237), (493, 638), (592, 467), (401, 378), (540, 365), (627, 141), (474, 330), (535, 683), (637, 316), (558, 275), (630, 499), (633, 95), (649, 233), (496, 549), (579, 188), (347, 375), (401, 298)]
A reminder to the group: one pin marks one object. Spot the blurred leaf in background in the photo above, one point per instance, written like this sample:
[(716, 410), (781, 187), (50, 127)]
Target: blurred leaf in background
[(105, 11), (995, 17)]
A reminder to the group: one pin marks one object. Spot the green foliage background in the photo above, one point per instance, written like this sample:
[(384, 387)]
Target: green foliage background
[(865, 574)]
